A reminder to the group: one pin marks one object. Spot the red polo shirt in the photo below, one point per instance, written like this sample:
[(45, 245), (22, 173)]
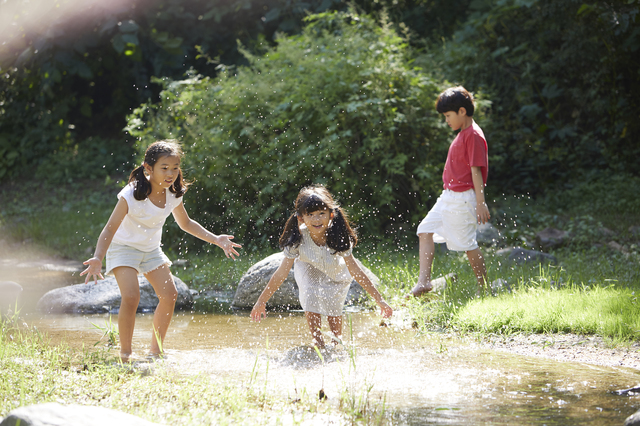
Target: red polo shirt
[(468, 149)]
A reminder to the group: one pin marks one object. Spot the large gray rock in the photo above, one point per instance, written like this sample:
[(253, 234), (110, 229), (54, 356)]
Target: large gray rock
[(633, 420), (105, 297), (9, 298), (54, 414), (488, 235), (550, 238), (520, 256), (256, 278)]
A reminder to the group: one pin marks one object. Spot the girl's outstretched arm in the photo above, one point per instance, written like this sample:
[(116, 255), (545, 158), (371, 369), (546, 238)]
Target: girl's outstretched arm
[(94, 267), (194, 228), (259, 310), (358, 274)]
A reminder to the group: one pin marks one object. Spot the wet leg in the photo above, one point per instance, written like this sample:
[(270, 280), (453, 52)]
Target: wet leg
[(127, 279), (335, 325), (476, 260), (315, 322), (426, 252), (162, 282)]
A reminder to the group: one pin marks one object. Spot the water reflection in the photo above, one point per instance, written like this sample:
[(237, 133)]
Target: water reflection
[(431, 379)]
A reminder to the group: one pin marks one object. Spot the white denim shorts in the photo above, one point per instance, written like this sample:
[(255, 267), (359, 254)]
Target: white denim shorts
[(143, 262), (453, 220)]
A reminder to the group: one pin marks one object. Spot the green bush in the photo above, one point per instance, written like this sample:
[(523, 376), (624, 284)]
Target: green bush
[(339, 104)]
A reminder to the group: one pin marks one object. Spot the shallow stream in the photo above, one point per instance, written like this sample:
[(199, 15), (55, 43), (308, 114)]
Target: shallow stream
[(433, 379), (428, 379)]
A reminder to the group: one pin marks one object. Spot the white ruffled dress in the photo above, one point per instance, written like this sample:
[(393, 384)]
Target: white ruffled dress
[(323, 278)]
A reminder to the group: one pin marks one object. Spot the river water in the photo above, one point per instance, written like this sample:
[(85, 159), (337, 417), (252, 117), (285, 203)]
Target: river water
[(428, 379)]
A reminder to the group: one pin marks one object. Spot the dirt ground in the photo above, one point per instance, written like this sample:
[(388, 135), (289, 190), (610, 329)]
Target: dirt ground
[(568, 348)]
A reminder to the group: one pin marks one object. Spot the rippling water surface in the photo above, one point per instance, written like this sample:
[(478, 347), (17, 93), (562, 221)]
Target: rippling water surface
[(433, 379)]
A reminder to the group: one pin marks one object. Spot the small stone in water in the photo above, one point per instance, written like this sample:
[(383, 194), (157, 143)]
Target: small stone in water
[(321, 395)]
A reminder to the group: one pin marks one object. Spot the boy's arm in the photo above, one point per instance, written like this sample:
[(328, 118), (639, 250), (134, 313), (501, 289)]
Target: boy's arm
[(482, 211)]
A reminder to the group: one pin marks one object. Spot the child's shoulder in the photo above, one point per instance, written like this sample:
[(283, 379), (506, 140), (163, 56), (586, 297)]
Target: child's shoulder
[(127, 191), (475, 129)]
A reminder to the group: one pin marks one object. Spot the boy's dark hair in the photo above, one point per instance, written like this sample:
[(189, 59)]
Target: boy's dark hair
[(154, 152), (340, 235), (455, 98)]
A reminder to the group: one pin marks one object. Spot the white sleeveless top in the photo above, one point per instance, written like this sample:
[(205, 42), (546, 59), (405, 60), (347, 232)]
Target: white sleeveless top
[(142, 226), (321, 257)]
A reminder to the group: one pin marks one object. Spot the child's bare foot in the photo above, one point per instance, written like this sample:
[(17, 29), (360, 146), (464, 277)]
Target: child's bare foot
[(125, 358), (419, 290)]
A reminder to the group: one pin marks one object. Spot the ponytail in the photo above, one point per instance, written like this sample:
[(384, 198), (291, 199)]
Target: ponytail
[(340, 236), (141, 187), (179, 186), (291, 236)]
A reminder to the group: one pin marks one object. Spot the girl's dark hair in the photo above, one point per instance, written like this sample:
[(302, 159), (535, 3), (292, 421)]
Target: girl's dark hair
[(455, 98), (340, 236), (154, 152)]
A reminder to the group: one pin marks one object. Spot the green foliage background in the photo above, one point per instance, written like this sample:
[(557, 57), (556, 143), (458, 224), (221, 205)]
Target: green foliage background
[(558, 84), (338, 104)]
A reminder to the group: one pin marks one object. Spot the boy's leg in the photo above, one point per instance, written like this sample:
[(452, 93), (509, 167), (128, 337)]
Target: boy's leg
[(426, 253), (335, 325), (127, 279), (315, 321), (162, 282), (476, 260)]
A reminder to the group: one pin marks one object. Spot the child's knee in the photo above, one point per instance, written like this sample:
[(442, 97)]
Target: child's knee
[(131, 299), (170, 294)]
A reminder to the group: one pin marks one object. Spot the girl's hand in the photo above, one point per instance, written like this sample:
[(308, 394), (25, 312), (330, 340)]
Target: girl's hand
[(94, 269), (259, 311), (228, 246), (385, 310)]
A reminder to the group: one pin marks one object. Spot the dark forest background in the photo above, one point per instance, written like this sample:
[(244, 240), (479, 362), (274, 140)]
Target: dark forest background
[(270, 95)]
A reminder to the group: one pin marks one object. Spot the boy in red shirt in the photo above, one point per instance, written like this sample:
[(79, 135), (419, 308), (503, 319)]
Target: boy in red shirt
[(457, 212)]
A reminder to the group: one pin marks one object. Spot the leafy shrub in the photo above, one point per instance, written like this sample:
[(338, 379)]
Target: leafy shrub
[(77, 74), (339, 104)]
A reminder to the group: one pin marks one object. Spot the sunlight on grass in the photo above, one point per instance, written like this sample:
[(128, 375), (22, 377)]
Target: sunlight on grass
[(606, 311)]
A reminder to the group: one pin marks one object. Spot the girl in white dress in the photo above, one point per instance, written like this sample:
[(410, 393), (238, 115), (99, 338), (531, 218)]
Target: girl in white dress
[(131, 241), (317, 242)]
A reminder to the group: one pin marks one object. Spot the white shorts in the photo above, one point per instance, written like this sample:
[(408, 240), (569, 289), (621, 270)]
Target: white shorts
[(453, 220), (143, 262)]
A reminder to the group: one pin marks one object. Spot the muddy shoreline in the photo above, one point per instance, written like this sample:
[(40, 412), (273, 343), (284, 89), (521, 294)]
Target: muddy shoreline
[(566, 348)]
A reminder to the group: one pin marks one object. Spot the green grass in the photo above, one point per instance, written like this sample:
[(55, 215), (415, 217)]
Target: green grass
[(64, 221), (605, 311)]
